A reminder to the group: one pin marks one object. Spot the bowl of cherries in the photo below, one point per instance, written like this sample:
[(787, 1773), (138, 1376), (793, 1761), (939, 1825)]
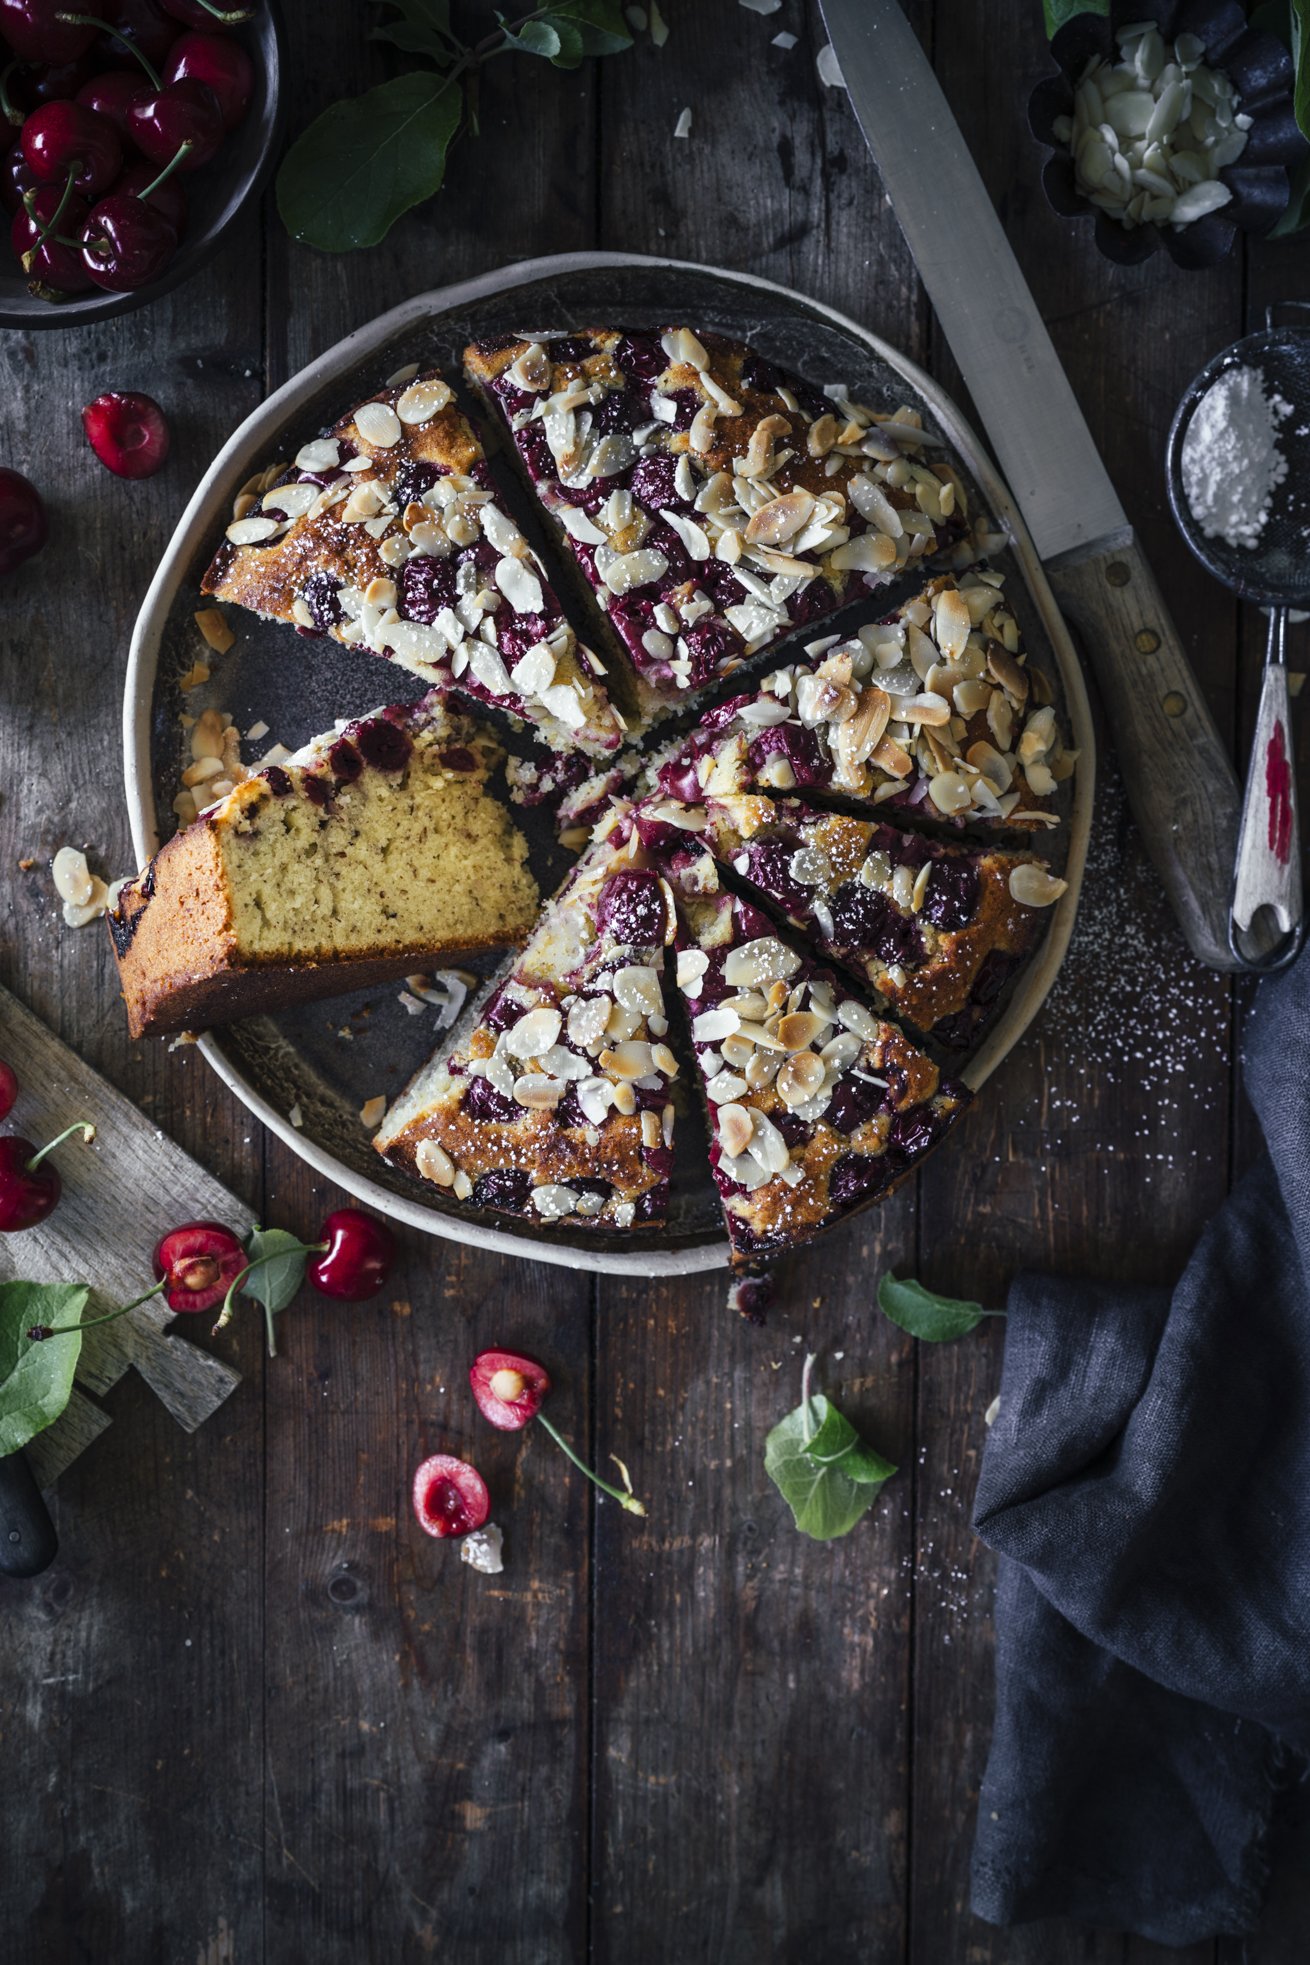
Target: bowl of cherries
[(133, 133)]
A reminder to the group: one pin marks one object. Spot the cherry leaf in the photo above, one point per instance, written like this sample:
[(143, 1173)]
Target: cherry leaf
[(364, 162)]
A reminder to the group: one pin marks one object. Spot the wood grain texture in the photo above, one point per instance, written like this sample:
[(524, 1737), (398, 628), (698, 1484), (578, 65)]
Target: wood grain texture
[(252, 1713)]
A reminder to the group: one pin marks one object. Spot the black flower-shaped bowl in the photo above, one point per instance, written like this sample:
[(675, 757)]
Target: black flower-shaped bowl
[(1261, 70)]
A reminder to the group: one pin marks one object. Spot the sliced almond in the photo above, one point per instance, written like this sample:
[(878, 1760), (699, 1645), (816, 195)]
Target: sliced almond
[(1033, 886), (378, 424), (736, 1127), (800, 1078), (799, 1030), (434, 1163)]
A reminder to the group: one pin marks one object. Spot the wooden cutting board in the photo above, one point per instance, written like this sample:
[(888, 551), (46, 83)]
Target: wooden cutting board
[(121, 1193)]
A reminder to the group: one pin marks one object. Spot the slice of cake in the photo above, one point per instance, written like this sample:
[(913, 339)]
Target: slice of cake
[(935, 928), (713, 502), (816, 1105), (376, 850), (387, 533), (934, 711), (559, 1102)]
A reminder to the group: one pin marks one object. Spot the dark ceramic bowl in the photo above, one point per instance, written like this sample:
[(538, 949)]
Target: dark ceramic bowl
[(216, 197), (1261, 69)]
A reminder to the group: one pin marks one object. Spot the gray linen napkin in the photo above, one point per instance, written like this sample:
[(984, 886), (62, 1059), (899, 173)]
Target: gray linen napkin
[(1147, 1486)]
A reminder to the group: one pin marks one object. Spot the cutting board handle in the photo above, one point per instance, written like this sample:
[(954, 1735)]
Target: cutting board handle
[(28, 1543), (1177, 772)]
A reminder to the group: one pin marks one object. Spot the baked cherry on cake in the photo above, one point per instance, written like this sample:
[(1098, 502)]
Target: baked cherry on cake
[(558, 1103), (935, 928), (387, 533), (816, 1105), (934, 711), (713, 502), (376, 850)]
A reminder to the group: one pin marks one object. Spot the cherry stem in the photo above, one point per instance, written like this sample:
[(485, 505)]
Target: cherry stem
[(233, 16), (116, 34), (110, 1317), (46, 227), (8, 107), (226, 1314), (169, 168), (87, 1131), (628, 1501), (807, 1414)]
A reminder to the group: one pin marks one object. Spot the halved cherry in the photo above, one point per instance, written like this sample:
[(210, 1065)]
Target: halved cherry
[(508, 1387), (450, 1497), (197, 1263)]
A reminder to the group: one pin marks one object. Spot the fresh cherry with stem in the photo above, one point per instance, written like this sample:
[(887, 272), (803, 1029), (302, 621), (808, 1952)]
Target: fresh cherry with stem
[(23, 527), (357, 1253), (450, 1497), (29, 1186), (111, 95), (181, 115), (157, 188), (35, 32), (66, 139), (126, 243), (222, 65), (50, 259), (509, 1388)]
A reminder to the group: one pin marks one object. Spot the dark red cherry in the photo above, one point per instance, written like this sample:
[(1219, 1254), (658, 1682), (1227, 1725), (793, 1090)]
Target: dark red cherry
[(222, 65), (214, 18), (180, 113), (358, 1257), (197, 1264), (29, 1185), (47, 262), (34, 31), (168, 198), (15, 178), (23, 532), (508, 1387), (126, 244), (60, 82), (450, 1497), (63, 136), (112, 95), (145, 25), (127, 432), (8, 1088)]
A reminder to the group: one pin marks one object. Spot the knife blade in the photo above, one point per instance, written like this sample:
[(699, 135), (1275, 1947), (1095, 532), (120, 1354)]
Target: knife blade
[(1177, 771)]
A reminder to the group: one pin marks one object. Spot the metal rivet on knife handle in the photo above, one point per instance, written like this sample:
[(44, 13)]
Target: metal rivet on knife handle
[(1117, 573), (1174, 703), (1147, 641)]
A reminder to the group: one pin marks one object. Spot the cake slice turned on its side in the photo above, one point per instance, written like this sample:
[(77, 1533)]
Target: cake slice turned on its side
[(558, 1105), (816, 1106), (387, 533), (375, 850), (935, 928)]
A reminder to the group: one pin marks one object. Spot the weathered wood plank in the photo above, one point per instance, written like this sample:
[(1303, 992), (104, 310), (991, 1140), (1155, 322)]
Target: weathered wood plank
[(125, 1706), (426, 1727)]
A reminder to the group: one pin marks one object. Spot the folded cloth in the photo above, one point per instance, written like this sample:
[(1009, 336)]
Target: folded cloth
[(1147, 1485)]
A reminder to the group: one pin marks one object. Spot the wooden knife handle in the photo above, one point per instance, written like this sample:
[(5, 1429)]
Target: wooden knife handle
[(1178, 775)]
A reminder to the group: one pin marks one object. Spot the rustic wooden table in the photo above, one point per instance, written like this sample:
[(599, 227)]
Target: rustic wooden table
[(253, 1713)]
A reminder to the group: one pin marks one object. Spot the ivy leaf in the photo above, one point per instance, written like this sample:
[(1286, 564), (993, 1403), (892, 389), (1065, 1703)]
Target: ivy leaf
[(827, 1491), (599, 24), (535, 37), (348, 178), (934, 1319), (1057, 12), (36, 1378)]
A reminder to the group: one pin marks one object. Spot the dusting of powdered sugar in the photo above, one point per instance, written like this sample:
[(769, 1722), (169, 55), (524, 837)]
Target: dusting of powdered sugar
[(1231, 461)]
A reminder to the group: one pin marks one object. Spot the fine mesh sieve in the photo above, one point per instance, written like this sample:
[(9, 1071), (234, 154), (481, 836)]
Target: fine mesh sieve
[(1266, 918)]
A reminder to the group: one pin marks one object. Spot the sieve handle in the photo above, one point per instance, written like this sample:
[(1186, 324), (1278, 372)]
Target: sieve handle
[(1268, 869), (1177, 772)]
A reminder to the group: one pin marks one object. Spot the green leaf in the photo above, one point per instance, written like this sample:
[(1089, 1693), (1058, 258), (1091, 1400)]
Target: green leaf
[(1297, 214), (346, 181), (599, 24), (837, 1444), (935, 1319), (826, 1497), (535, 37), (36, 1378), (1300, 46), (1057, 12), (422, 28), (279, 1276), (571, 47)]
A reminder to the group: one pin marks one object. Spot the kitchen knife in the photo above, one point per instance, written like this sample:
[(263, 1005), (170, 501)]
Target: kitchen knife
[(1179, 778)]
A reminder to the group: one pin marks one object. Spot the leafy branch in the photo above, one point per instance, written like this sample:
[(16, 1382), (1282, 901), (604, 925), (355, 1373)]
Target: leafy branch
[(368, 159)]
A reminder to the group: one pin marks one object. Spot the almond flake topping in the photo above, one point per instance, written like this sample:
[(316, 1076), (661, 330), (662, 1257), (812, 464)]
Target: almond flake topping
[(378, 424), (1033, 886), (434, 1163), (423, 400)]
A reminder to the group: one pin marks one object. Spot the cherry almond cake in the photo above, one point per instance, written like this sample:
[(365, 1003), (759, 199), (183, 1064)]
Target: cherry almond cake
[(713, 503), (830, 876), (288, 888), (387, 533)]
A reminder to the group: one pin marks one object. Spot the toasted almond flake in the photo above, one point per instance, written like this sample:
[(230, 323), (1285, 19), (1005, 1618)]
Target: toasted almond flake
[(1033, 886), (785, 41), (625, 1099), (215, 630), (683, 125), (423, 400), (323, 454), (800, 1078), (533, 1033), (538, 1093), (378, 424), (712, 1026), (251, 531), (628, 1060), (797, 1031), (829, 68), (296, 1116), (551, 1201), (370, 1113), (195, 677), (73, 878), (736, 1125)]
